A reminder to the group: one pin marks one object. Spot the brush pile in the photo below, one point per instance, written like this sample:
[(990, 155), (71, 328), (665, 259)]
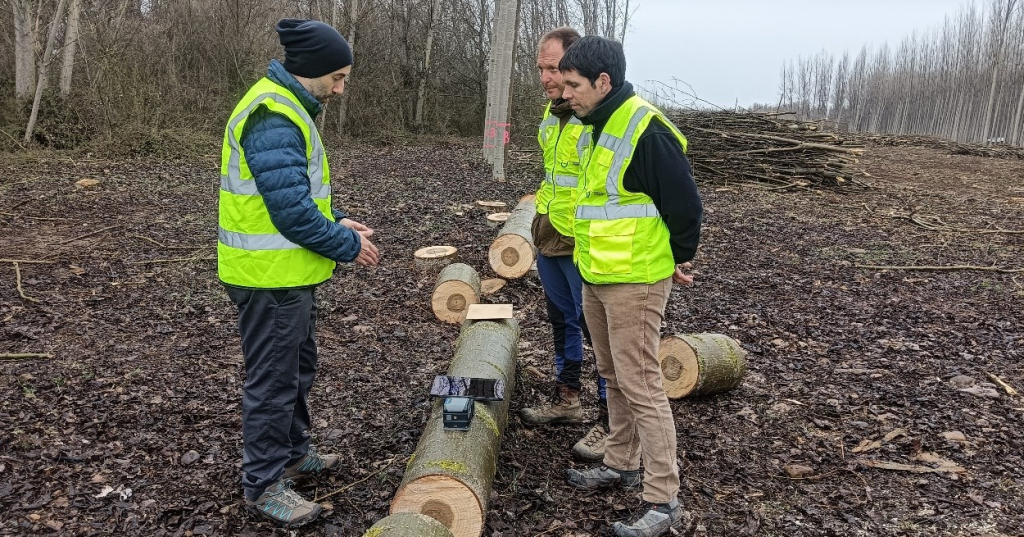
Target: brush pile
[(728, 147)]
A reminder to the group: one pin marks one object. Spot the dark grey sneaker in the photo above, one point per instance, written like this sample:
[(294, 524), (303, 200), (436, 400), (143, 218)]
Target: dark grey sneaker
[(656, 522), (602, 477), (284, 506), (311, 464)]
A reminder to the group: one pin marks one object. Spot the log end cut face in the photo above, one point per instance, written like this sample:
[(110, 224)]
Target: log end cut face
[(678, 367), (451, 300), (700, 364), (511, 256), (444, 499)]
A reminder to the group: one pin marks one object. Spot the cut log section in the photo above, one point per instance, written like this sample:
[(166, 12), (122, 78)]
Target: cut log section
[(491, 286), (408, 525), (512, 254), (450, 475), (700, 364), (496, 205), (497, 219), (435, 256), (457, 287)]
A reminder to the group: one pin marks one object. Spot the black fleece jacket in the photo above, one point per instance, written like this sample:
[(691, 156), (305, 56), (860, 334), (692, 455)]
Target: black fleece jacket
[(661, 170)]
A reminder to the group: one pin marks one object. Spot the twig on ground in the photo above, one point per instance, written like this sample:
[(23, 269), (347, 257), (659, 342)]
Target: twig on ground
[(350, 485), (1006, 387), (17, 275), (176, 260), (88, 235), (24, 356), (26, 261), (145, 238), (934, 223), (947, 267)]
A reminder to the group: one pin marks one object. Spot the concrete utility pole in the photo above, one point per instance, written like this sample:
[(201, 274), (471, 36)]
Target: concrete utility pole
[(499, 86)]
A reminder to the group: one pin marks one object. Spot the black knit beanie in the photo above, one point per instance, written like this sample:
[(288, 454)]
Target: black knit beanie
[(312, 48)]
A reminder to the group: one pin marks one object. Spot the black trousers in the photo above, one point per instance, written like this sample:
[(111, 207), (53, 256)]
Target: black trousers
[(277, 329)]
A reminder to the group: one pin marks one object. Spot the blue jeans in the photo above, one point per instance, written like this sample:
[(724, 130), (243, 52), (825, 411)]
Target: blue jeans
[(563, 292), (277, 329)]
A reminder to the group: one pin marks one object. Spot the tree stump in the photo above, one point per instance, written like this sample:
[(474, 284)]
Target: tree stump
[(407, 525), (435, 256), (497, 219), (512, 253), (457, 287), (700, 364), (450, 475)]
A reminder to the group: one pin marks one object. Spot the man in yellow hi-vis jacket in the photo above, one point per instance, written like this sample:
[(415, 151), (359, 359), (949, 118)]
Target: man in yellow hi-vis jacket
[(637, 225), (278, 239)]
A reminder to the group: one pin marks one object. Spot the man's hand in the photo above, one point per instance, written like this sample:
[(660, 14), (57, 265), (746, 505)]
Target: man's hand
[(682, 277), (368, 254), (356, 226)]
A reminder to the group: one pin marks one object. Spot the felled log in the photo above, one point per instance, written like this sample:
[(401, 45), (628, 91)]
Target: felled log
[(512, 253), (456, 288), (450, 475), (700, 364), (435, 256), (408, 525)]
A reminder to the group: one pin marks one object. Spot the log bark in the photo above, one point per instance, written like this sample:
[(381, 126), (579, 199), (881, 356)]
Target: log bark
[(408, 525), (457, 287), (700, 364), (512, 253), (450, 475), (435, 256)]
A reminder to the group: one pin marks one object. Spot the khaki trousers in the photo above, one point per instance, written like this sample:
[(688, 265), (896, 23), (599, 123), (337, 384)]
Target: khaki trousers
[(625, 323)]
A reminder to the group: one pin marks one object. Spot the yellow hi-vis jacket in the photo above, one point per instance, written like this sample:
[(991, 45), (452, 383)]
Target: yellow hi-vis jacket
[(556, 196), (251, 252), (620, 235)]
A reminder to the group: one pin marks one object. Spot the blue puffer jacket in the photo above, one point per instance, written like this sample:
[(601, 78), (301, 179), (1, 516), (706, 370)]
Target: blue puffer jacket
[(276, 153)]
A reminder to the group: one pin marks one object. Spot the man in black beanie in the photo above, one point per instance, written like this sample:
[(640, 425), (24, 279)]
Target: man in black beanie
[(278, 239)]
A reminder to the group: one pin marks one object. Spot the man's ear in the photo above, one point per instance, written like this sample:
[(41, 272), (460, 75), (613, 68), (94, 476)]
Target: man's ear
[(604, 81)]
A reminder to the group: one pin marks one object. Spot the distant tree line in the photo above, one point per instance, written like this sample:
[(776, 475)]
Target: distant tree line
[(962, 81), (74, 70)]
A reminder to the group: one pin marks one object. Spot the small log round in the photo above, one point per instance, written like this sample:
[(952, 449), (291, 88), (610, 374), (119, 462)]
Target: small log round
[(451, 473), (700, 364), (408, 525), (457, 287), (512, 253), (491, 286), (497, 219), (435, 256), (495, 205)]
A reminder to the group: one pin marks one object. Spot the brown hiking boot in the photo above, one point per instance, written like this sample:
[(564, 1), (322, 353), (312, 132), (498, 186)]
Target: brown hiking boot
[(591, 446), (311, 464), (284, 506), (564, 408)]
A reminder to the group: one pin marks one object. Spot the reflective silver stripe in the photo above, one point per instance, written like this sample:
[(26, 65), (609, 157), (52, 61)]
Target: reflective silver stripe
[(251, 242), (621, 148), (568, 181), (584, 141), (616, 211), (234, 183)]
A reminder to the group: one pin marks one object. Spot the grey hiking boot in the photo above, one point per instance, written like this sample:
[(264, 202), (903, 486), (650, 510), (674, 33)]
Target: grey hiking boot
[(564, 408), (657, 521), (284, 506), (602, 477), (311, 463), (591, 446)]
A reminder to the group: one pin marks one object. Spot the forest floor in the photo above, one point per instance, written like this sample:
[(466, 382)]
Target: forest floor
[(875, 380)]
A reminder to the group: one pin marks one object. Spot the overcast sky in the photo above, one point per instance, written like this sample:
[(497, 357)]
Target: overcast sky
[(734, 49)]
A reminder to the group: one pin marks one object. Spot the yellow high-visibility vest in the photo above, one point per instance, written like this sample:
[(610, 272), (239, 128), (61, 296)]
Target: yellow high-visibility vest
[(556, 196), (620, 235), (251, 252)]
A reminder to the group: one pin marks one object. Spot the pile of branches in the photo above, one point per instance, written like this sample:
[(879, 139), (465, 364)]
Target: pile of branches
[(951, 147), (729, 147)]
